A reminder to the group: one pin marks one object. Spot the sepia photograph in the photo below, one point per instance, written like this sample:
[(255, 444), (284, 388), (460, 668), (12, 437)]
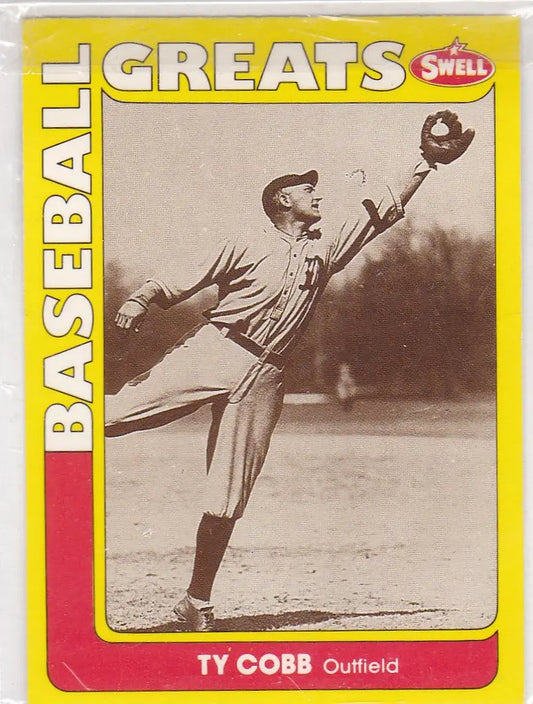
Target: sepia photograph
[(300, 366)]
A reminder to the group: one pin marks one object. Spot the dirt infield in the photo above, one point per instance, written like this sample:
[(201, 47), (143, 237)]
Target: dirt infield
[(380, 518)]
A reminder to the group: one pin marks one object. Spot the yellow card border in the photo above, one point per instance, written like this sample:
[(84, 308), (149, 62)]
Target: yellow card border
[(56, 40)]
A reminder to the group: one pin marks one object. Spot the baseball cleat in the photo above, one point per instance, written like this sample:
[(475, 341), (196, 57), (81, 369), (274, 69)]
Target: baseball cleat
[(193, 618)]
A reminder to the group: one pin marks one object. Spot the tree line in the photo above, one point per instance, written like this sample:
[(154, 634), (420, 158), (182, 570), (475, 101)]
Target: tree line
[(418, 319)]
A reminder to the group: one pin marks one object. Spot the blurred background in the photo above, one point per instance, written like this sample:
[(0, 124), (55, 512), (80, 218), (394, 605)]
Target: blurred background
[(418, 319)]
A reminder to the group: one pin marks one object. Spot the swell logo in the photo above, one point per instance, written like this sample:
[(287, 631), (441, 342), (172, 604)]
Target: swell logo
[(452, 66)]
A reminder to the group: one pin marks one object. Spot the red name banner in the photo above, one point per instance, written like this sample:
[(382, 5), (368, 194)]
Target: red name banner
[(79, 660)]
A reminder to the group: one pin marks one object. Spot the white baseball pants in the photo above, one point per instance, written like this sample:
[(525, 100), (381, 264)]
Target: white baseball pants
[(246, 397)]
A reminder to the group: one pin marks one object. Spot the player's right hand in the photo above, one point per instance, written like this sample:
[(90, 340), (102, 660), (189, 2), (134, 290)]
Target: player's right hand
[(130, 315)]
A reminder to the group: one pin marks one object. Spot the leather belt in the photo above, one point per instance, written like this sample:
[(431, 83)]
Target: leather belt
[(262, 353)]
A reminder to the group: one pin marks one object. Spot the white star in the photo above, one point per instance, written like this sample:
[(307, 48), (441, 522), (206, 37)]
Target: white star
[(456, 47)]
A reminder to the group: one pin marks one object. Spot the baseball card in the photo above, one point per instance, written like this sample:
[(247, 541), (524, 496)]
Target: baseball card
[(273, 387)]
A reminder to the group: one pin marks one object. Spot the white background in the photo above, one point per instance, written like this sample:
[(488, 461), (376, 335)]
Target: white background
[(12, 481)]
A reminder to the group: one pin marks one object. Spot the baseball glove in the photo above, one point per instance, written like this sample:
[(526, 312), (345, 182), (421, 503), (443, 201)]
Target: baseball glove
[(443, 149)]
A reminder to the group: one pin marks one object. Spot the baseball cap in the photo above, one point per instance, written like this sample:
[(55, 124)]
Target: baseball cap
[(277, 184)]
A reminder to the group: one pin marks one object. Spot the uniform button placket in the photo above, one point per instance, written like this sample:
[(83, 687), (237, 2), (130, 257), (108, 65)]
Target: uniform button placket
[(291, 273)]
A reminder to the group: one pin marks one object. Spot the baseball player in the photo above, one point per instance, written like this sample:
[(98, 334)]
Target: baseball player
[(269, 284), (346, 388)]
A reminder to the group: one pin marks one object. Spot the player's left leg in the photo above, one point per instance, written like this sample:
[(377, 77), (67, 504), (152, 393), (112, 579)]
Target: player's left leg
[(195, 611), (238, 444)]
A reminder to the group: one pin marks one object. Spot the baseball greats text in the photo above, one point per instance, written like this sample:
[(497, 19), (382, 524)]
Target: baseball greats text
[(68, 260), (179, 64)]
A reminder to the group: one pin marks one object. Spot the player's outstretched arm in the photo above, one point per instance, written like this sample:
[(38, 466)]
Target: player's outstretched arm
[(438, 148)]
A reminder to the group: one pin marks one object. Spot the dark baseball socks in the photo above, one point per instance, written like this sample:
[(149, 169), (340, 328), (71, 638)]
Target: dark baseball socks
[(212, 540)]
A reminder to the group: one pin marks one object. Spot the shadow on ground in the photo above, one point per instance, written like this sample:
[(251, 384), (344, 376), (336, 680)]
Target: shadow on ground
[(272, 622)]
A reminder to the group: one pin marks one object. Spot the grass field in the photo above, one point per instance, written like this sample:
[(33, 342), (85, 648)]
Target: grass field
[(380, 518)]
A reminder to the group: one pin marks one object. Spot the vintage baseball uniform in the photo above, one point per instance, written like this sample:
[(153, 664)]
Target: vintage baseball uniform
[(269, 284)]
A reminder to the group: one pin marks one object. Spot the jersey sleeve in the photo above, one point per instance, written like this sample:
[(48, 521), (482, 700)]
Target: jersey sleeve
[(197, 272), (371, 218)]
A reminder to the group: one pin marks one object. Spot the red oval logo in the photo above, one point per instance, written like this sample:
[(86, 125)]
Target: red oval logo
[(452, 66)]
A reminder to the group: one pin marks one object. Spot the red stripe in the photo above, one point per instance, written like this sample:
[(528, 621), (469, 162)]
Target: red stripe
[(79, 660)]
